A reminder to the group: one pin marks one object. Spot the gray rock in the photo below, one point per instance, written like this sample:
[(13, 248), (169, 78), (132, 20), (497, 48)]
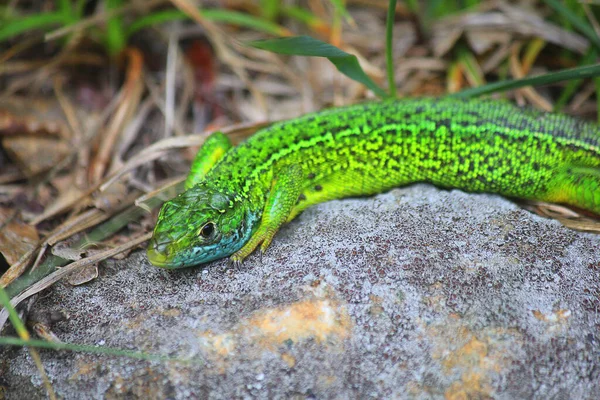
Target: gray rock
[(418, 293)]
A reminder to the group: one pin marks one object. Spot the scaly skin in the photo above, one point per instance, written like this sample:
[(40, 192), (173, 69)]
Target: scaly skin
[(240, 200)]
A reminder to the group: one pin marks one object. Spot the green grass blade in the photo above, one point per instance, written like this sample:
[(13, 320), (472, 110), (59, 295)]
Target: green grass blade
[(305, 16), (20, 328), (107, 351), (29, 23), (389, 57), (226, 16), (270, 9), (346, 63), (12, 314), (22, 331), (470, 4), (553, 77), (413, 6), (155, 18), (245, 20), (340, 8), (78, 9), (24, 336), (471, 69), (65, 8), (115, 33), (300, 14), (578, 23)]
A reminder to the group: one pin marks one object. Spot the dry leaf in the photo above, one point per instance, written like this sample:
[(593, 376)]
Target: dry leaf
[(20, 116), (64, 250), (83, 275), (65, 200), (35, 154), (16, 238), (44, 332), (501, 19), (566, 216), (482, 41), (112, 197)]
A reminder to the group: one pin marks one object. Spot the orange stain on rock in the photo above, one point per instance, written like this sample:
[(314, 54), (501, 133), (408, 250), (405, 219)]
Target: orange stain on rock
[(316, 319), (475, 356), (223, 344), (558, 316), (471, 359), (472, 355), (556, 321), (323, 320), (289, 359), (84, 368), (471, 386)]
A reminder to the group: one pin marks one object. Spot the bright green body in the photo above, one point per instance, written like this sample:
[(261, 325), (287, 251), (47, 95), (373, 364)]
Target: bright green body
[(473, 145)]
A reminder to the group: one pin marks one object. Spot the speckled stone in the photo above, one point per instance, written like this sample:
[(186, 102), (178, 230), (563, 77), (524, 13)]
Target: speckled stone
[(418, 293)]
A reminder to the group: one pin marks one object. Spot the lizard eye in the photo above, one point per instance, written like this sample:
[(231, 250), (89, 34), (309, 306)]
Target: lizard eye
[(207, 230)]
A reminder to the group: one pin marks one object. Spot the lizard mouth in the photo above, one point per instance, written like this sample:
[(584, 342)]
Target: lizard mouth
[(158, 254)]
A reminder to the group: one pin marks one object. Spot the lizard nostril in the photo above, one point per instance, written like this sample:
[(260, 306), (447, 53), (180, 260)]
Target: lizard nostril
[(160, 247), (158, 253)]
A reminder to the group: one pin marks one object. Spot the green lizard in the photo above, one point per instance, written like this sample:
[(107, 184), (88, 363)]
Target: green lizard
[(238, 197)]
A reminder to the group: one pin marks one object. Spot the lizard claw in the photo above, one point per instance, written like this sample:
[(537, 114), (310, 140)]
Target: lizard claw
[(234, 263), (238, 265)]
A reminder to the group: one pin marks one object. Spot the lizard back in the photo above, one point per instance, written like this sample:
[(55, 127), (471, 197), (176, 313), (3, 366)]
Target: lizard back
[(474, 145)]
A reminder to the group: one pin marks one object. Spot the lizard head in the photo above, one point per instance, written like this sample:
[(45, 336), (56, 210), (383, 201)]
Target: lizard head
[(200, 225)]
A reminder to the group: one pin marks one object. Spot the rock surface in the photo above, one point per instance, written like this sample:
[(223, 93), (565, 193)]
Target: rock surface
[(419, 293)]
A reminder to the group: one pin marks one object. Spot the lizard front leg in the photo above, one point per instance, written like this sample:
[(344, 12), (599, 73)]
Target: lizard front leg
[(211, 151), (283, 196)]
